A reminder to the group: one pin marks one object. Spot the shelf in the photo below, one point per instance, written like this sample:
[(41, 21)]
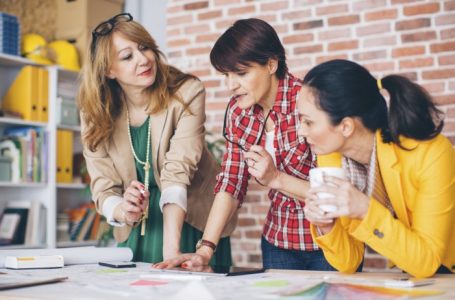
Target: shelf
[(76, 244), (23, 184), (69, 127), (16, 121), (7, 60), (75, 186), (18, 247)]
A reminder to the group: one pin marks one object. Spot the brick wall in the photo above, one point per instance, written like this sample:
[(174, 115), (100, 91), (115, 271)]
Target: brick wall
[(415, 38)]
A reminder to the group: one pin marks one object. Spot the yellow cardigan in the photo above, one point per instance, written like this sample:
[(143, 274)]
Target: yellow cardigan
[(421, 186)]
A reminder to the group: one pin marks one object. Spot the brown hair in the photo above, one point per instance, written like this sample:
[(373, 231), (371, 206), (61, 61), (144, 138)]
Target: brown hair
[(248, 41), (100, 98)]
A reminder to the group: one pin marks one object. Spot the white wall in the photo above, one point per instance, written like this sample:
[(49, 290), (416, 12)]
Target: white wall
[(152, 15)]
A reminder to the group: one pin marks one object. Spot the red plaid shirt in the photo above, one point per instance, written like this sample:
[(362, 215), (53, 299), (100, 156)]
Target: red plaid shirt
[(285, 226)]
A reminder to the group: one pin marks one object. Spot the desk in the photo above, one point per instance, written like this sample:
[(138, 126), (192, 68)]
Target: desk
[(96, 282)]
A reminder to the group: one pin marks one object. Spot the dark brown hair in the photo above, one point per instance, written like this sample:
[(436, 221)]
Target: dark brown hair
[(248, 41)]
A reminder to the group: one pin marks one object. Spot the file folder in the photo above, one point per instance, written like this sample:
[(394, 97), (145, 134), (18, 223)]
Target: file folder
[(43, 95), (64, 156)]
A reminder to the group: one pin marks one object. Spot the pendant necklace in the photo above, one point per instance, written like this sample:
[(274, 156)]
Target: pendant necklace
[(145, 163)]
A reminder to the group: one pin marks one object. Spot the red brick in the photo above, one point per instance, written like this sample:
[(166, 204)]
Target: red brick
[(260, 209), (300, 61), (409, 51), (445, 20), (224, 24), (334, 34), (447, 59), (412, 24), (434, 87), (448, 34), (452, 86), (173, 32), (444, 99), (200, 28), (226, 2), (214, 105), (209, 15), (179, 20), (345, 45), (387, 66), (174, 54), (246, 9), (308, 25), (274, 6), (368, 5), (416, 63), (196, 5), (207, 38), (178, 43), (421, 9), (449, 5), (211, 83), (200, 72), (388, 14), (198, 51), (300, 3), (380, 41), (374, 29), (370, 55), (403, 1), (268, 18), (281, 29), (223, 94), (425, 36), (298, 38), (174, 9), (331, 9), (344, 20), (409, 75), (443, 47), (449, 127), (308, 49), (451, 112), (321, 59), (246, 222), (255, 234), (298, 14), (438, 74), (255, 258)]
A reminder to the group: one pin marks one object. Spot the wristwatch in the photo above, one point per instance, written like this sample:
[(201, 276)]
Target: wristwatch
[(209, 244)]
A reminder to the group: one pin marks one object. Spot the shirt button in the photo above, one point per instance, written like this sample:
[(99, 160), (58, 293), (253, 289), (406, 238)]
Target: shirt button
[(378, 233), (299, 157)]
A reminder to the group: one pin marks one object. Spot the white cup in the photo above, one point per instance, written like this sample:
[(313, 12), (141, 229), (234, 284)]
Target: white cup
[(317, 179)]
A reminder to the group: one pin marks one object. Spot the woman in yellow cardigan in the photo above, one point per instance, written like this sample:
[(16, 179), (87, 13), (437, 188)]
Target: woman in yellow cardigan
[(399, 193)]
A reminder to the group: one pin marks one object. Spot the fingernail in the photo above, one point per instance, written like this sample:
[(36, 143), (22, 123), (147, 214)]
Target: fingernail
[(185, 265)]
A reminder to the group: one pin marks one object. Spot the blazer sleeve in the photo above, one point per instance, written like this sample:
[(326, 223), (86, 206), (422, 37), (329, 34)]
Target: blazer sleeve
[(342, 251), (187, 143), (105, 181), (430, 212)]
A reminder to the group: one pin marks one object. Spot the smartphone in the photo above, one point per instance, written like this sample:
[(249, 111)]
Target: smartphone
[(408, 282), (117, 264)]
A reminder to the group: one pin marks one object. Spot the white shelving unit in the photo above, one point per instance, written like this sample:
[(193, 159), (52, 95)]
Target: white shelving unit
[(54, 196)]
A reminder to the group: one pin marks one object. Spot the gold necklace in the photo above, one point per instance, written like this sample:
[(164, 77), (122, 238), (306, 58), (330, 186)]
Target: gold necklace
[(146, 164)]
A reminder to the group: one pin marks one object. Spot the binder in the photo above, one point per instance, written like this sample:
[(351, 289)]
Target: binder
[(43, 95), (64, 156), (22, 96)]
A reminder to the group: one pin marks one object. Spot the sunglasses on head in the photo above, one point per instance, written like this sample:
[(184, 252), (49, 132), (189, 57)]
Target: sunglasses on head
[(106, 27)]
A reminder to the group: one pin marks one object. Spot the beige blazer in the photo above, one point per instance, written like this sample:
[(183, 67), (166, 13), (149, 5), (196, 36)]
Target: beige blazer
[(179, 156)]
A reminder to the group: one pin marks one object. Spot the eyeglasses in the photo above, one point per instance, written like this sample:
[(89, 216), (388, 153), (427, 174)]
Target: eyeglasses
[(225, 135), (104, 28)]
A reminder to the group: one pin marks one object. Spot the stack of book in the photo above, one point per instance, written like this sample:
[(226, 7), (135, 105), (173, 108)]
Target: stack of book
[(85, 224), (9, 34)]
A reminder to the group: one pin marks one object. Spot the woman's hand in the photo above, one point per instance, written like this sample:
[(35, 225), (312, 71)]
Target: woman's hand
[(347, 199), (261, 166), (186, 260), (316, 215), (135, 201)]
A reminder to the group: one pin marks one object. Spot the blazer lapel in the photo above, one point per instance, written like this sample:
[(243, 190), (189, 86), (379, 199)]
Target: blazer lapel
[(123, 145), (390, 171), (158, 123)]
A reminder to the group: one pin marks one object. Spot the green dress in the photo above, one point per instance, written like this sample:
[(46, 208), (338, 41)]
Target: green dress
[(149, 248)]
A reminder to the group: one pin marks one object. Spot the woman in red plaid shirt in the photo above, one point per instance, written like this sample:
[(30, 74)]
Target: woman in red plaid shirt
[(260, 128)]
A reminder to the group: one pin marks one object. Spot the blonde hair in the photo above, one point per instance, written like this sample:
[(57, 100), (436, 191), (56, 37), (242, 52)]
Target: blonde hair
[(100, 98)]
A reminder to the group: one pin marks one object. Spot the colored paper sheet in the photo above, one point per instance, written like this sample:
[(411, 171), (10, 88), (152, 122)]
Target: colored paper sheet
[(143, 282)]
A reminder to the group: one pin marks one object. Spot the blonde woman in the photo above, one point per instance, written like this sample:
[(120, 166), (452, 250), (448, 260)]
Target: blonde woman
[(143, 136)]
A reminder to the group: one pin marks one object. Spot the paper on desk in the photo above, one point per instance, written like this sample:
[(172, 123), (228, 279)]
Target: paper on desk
[(194, 290), (75, 255)]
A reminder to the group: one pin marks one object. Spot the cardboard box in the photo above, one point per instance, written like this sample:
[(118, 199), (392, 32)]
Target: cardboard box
[(77, 18)]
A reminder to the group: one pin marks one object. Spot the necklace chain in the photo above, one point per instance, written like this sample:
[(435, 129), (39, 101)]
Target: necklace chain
[(146, 164)]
